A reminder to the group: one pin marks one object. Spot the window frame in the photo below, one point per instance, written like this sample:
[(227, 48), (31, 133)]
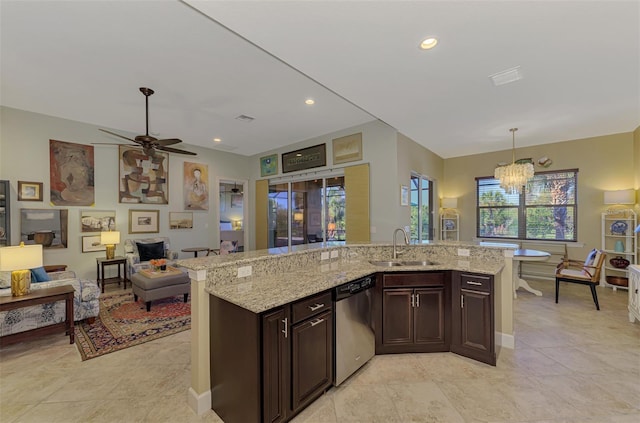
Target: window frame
[(522, 207)]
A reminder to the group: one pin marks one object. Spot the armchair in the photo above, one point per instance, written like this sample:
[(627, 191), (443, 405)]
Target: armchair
[(138, 252), (583, 273)]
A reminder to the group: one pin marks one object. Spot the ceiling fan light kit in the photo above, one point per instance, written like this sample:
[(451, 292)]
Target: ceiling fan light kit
[(148, 143)]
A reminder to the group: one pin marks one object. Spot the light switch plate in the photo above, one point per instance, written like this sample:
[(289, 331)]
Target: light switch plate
[(464, 252), (334, 253), (244, 271)]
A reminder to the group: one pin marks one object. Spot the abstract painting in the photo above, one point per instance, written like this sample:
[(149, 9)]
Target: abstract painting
[(71, 174), (144, 179)]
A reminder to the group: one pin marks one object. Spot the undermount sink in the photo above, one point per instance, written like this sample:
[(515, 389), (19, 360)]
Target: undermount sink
[(390, 263)]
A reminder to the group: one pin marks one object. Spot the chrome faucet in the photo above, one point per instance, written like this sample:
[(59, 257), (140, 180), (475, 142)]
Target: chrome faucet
[(406, 241)]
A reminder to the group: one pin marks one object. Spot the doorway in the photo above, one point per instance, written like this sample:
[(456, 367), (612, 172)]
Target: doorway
[(232, 212)]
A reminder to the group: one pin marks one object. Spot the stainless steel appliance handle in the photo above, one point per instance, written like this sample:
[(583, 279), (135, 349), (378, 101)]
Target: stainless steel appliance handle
[(286, 327), (316, 306), (317, 321)]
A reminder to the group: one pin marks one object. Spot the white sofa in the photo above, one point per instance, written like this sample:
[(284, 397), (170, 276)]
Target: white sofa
[(86, 303)]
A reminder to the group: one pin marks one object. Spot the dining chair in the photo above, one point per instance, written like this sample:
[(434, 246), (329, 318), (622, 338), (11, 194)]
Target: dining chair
[(583, 273)]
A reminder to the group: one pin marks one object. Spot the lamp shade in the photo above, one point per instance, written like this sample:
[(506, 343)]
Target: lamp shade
[(449, 203), (622, 196), (110, 238), (21, 257)]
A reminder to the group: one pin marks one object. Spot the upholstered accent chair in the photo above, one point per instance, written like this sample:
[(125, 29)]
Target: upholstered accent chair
[(139, 252), (584, 273)]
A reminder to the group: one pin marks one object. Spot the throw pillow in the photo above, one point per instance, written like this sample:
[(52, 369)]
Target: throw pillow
[(39, 275), (591, 257), (150, 251)]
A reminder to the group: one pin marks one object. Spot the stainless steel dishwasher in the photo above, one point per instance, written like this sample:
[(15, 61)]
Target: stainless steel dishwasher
[(355, 340)]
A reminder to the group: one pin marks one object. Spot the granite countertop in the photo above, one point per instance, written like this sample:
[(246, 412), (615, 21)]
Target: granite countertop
[(261, 293)]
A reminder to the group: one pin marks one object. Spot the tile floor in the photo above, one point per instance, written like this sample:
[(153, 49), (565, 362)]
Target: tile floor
[(571, 364)]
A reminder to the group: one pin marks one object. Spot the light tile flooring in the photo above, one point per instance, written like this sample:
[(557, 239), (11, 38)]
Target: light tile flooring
[(571, 364)]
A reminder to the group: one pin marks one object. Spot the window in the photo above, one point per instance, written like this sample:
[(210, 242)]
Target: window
[(421, 208), (546, 210)]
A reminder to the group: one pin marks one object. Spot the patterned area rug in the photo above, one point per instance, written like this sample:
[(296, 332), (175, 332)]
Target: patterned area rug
[(123, 323)]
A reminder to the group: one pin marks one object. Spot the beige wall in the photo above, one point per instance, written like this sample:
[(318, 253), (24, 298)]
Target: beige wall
[(604, 163)]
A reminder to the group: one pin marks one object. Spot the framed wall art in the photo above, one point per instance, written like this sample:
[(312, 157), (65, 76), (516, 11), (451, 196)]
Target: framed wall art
[(180, 220), (347, 149), (97, 220), (71, 174), (144, 221), (48, 227), (305, 158), (196, 191), (29, 191), (144, 179), (91, 243), (404, 195), (269, 165)]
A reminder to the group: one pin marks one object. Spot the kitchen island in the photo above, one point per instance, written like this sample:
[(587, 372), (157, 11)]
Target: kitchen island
[(278, 279)]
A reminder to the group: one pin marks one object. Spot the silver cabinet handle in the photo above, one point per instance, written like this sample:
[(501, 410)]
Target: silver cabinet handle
[(413, 303), (316, 306), (286, 327), (474, 283), (417, 300), (461, 301), (317, 321)]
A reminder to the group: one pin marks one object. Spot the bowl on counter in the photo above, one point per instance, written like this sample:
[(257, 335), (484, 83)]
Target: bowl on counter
[(618, 280)]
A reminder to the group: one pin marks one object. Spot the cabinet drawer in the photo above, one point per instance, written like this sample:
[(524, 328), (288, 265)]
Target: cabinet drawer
[(311, 306), (475, 282), (412, 279)]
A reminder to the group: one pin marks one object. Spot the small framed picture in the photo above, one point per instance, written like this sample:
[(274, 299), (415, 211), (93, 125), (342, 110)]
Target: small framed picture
[(180, 220), (347, 149), (144, 221), (404, 195), (269, 165), (92, 243), (29, 191)]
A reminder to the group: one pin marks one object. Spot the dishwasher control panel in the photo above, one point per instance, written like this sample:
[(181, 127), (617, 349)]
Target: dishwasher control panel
[(353, 287)]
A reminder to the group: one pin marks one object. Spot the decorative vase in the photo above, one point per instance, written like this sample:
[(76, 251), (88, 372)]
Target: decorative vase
[(619, 247)]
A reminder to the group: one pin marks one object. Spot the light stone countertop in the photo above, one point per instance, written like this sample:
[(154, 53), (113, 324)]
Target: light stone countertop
[(261, 293)]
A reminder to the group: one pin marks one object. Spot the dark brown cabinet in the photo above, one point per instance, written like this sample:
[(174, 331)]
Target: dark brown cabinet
[(268, 367), (473, 317), (413, 313)]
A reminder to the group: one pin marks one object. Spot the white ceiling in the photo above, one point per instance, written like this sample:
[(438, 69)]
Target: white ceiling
[(358, 59)]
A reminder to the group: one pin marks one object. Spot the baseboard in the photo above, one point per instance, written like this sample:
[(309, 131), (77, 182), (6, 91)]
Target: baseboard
[(199, 403), (505, 340)]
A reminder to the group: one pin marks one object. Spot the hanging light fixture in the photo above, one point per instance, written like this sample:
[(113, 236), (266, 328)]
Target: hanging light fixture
[(514, 176)]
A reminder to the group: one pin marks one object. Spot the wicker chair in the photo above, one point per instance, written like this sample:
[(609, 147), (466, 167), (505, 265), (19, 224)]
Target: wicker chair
[(584, 273)]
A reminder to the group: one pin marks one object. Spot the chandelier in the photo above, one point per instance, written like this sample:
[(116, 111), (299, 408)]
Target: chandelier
[(514, 176)]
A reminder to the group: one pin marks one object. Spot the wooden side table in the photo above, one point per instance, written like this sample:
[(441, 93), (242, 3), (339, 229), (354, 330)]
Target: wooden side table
[(41, 296), (101, 262)]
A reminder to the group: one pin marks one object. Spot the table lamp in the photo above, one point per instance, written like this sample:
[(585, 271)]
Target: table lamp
[(110, 239), (19, 260)]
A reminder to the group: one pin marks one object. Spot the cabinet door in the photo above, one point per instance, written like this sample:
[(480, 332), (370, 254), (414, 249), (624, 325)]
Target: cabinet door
[(429, 316), (312, 358), (397, 316), (275, 365), (476, 327)]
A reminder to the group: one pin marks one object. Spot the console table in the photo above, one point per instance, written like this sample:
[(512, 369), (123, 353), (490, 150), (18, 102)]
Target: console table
[(40, 296)]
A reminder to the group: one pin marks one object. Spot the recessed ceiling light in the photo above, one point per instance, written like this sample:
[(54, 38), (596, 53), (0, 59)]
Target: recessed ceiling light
[(428, 43), (309, 101), (217, 140)]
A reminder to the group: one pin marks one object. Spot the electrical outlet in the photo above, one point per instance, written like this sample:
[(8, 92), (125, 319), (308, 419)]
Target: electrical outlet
[(324, 255), (373, 230), (334, 254), (407, 229), (464, 252), (244, 271)]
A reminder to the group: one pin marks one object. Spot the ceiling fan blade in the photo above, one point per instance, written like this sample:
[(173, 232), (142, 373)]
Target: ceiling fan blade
[(175, 150), (118, 135), (168, 141)]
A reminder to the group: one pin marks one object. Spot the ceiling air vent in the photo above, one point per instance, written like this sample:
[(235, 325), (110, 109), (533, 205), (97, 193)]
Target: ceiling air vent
[(245, 118), (506, 76)]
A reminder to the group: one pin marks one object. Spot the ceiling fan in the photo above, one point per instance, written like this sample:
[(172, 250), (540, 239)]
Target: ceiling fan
[(149, 143)]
